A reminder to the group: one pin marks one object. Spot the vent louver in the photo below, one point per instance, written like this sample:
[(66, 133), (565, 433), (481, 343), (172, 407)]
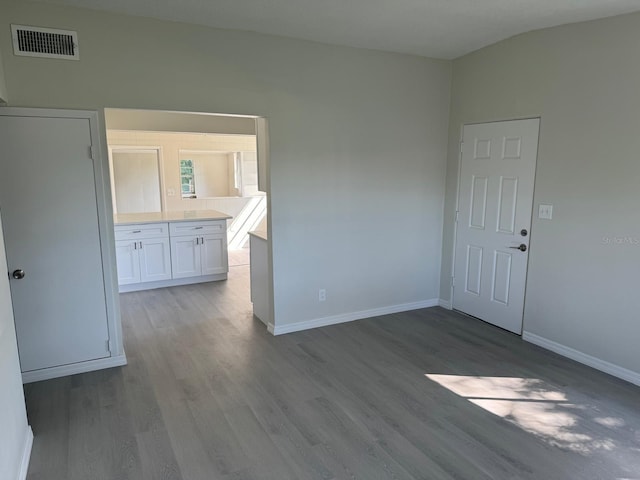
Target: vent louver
[(45, 42)]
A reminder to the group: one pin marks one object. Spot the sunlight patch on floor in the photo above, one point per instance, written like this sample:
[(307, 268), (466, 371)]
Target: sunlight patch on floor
[(535, 407)]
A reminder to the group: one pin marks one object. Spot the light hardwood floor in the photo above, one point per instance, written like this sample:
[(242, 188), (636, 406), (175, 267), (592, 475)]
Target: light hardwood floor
[(429, 394)]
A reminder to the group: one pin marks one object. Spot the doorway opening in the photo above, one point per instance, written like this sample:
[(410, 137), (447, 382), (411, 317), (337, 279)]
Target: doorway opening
[(186, 195)]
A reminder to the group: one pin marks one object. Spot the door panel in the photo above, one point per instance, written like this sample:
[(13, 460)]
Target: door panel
[(501, 279), (214, 254), (478, 202), (185, 257), (48, 199), (128, 262), (495, 199), (473, 272), (155, 260)]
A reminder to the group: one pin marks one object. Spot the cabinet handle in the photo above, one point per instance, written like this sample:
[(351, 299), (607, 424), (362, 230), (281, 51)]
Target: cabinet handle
[(136, 231), (135, 245), (197, 241), (140, 245), (198, 228), (201, 240)]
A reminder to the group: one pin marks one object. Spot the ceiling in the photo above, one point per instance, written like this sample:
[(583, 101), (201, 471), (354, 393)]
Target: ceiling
[(432, 28)]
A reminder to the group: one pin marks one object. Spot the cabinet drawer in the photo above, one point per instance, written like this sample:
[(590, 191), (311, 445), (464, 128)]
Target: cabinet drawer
[(140, 231), (196, 228)]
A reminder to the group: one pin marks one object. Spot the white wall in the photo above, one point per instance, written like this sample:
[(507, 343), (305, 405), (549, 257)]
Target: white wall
[(583, 80), (136, 180), (170, 144), (3, 86), (15, 433), (211, 172), (158, 121), (357, 139)]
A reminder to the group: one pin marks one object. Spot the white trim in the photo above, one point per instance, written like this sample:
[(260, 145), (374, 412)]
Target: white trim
[(349, 317), (445, 304), (74, 368), (26, 455), (578, 356)]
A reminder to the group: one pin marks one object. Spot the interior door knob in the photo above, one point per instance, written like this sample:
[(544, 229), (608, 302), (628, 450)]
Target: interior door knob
[(522, 247), (18, 274)]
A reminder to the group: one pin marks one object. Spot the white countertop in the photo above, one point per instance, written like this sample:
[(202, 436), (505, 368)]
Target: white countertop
[(262, 234), (179, 216)]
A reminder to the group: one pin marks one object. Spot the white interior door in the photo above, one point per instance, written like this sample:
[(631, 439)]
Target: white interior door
[(48, 201), (495, 199)]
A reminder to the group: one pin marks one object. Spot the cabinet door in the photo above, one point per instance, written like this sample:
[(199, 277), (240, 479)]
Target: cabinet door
[(128, 262), (214, 254), (185, 257), (155, 259)]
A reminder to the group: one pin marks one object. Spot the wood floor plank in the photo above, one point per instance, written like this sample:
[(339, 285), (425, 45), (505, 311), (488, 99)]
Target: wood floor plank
[(209, 394), (157, 457)]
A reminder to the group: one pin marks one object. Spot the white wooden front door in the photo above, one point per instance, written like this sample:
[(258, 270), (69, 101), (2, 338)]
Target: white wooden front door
[(495, 199), (49, 207)]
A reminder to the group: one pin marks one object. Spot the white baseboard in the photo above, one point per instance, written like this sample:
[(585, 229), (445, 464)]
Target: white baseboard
[(349, 317), (26, 455), (598, 364), (445, 304), (136, 287), (73, 368)]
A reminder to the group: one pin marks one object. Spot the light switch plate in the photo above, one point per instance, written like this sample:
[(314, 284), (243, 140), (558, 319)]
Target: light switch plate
[(545, 211)]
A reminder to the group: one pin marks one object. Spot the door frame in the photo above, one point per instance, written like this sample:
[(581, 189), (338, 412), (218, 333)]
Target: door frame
[(457, 205), (107, 241)]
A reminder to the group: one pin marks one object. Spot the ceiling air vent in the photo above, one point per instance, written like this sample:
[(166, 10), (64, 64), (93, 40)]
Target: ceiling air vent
[(45, 42)]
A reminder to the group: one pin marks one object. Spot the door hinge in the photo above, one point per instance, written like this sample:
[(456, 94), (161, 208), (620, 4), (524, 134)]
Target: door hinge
[(107, 345), (453, 281), (457, 216), (461, 147), (92, 152)]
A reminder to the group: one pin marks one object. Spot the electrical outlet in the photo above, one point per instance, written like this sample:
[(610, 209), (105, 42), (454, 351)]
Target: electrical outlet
[(322, 295)]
